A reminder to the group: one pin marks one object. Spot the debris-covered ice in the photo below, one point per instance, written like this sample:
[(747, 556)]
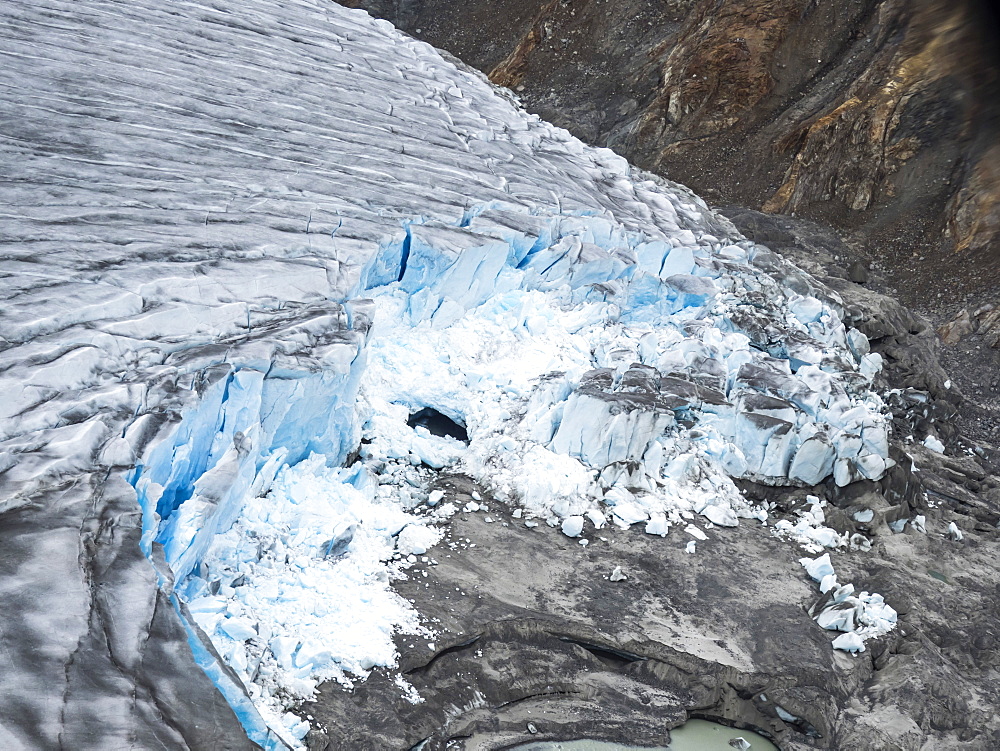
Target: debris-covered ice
[(810, 531)]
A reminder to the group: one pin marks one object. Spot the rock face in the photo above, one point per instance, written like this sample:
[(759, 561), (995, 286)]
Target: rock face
[(879, 117), (567, 649)]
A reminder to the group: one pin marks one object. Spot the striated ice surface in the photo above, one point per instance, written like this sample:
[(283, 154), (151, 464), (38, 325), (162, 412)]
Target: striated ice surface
[(272, 282)]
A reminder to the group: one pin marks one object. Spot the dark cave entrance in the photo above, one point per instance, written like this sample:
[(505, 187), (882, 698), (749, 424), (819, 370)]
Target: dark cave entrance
[(438, 424)]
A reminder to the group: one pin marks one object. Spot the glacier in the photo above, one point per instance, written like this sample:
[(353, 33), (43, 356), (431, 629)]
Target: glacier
[(246, 340)]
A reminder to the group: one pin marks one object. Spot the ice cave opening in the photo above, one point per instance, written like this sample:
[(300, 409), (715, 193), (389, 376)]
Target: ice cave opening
[(438, 424)]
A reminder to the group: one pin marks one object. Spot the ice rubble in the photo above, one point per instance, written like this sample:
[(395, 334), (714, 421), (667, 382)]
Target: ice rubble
[(590, 387), (390, 236), (300, 584), (860, 616), (589, 380)]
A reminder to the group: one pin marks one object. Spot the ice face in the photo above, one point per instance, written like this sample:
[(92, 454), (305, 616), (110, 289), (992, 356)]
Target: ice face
[(241, 283)]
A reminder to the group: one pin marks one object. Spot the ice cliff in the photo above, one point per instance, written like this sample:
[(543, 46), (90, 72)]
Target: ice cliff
[(237, 295)]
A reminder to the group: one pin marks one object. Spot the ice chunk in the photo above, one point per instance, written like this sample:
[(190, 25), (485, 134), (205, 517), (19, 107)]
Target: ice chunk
[(785, 714), (597, 518), (858, 343), (954, 532), (678, 261), (282, 647), (602, 429), (617, 574), (837, 618), (849, 642), (312, 654), (870, 365), (932, 442), (860, 542), (722, 516), (819, 567), (827, 583), (572, 526), (658, 525), (627, 513), (239, 629), (695, 532), (417, 539), (813, 460)]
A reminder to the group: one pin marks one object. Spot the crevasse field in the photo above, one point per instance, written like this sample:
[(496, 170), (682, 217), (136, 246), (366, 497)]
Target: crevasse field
[(248, 346)]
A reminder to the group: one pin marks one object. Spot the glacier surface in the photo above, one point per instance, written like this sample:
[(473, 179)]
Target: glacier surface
[(248, 339)]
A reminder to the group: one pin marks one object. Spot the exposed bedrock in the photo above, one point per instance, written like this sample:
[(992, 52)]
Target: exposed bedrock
[(879, 117), (537, 640)]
